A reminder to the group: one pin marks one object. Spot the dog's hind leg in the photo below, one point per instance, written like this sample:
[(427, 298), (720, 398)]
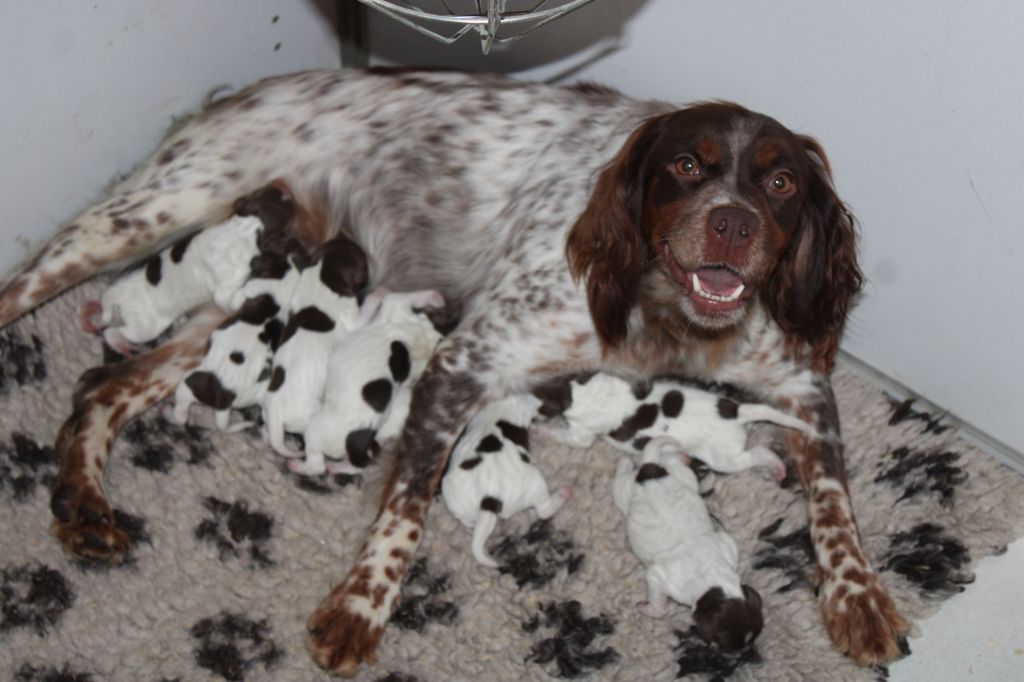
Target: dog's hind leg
[(120, 230), (190, 181), (105, 398)]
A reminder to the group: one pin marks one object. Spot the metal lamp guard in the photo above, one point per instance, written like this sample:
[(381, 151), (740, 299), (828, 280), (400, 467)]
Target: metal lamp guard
[(490, 16)]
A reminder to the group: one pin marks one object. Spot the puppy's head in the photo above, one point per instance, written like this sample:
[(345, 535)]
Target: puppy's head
[(732, 623)]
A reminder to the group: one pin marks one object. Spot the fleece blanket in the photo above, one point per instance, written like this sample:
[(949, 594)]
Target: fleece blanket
[(232, 552)]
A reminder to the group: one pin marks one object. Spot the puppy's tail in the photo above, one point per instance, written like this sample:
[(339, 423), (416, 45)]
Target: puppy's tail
[(763, 413), (485, 525)]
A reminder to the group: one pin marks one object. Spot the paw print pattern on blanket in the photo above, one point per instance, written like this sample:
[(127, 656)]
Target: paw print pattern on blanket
[(236, 532)]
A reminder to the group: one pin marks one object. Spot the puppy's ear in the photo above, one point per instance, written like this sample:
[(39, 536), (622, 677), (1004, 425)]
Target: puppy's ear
[(817, 278), (606, 246)]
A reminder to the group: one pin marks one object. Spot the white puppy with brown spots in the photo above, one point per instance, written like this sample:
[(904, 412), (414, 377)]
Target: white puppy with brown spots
[(235, 370), (369, 379), (322, 311), (705, 424), (209, 265), (490, 474), (688, 559)]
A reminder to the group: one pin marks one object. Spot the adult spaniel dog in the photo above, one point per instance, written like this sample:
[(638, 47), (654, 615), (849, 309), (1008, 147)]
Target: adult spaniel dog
[(571, 228)]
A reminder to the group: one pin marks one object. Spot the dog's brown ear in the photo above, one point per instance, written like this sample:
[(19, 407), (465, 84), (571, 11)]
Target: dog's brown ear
[(606, 247), (817, 278)]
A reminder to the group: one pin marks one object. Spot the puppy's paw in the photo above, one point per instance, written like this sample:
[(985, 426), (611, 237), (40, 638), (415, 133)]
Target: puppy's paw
[(652, 610), (303, 467), (89, 316), (116, 340)]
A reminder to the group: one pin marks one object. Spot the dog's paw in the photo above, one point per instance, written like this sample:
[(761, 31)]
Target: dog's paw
[(341, 638), (84, 524), (861, 619)]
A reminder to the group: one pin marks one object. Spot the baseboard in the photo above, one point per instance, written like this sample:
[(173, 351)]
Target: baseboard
[(971, 434)]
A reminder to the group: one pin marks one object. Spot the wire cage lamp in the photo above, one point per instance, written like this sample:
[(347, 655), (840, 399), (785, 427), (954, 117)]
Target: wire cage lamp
[(496, 21)]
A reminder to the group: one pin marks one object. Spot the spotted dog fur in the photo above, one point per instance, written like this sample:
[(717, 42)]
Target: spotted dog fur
[(490, 474), (105, 398), (705, 424), (576, 229), (368, 377)]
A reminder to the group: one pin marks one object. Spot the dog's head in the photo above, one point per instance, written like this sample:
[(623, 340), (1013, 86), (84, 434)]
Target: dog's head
[(707, 210), (732, 623)]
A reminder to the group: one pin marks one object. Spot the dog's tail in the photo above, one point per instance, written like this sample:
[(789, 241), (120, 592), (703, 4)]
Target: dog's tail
[(485, 525), (755, 412)]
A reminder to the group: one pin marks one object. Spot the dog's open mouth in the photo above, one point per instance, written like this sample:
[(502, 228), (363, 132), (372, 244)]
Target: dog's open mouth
[(713, 289)]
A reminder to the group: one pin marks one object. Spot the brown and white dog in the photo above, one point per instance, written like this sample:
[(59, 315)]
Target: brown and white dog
[(575, 229)]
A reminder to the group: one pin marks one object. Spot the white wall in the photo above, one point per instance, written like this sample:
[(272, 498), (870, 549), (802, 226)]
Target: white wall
[(920, 105), (89, 87)]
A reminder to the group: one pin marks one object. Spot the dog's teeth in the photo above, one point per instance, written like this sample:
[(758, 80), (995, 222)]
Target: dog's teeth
[(736, 294), (696, 284)]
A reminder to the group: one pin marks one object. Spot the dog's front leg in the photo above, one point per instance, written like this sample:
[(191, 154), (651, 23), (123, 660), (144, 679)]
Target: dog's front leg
[(345, 629), (105, 398), (859, 614)]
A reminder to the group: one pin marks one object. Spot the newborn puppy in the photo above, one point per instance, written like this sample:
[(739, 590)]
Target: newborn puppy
[(210, 264), (671, 532), (706, 425), (490, 473), (323, 309), (369, 379), (235, 371)]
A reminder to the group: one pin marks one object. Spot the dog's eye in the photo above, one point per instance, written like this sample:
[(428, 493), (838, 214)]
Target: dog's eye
[(687, 165), (782, 183)]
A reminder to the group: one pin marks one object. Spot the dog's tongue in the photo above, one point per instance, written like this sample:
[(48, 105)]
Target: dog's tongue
[(718, 281)]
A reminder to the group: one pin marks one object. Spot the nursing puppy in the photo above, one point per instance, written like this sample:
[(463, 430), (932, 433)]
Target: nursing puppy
[(323, 309), (490, 474), (369, 379), (235, 371), (706, 425), (205, 266), (209, 265), (687, 559)]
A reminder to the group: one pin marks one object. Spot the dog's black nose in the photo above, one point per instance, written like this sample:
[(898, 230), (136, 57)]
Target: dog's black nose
[(732, 223)]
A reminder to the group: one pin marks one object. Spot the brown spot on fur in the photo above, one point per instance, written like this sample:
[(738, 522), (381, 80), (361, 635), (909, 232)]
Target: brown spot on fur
[(767, 155), (708, 152), (115, 417), (378, 595), (855, 575)]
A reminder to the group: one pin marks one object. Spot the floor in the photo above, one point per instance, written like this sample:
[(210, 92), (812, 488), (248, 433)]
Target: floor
[(976, 635)]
